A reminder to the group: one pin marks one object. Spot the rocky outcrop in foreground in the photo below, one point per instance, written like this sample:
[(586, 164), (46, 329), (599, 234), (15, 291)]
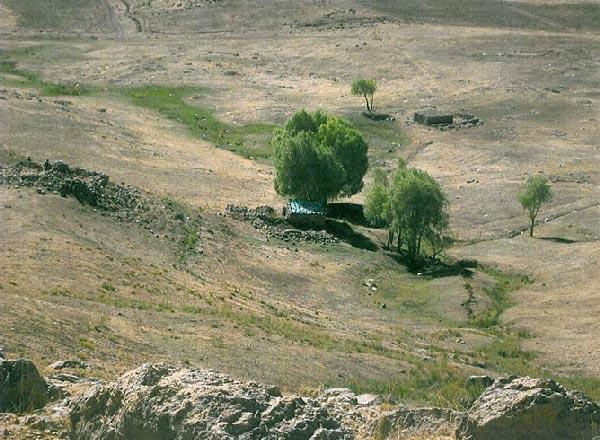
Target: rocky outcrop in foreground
[(530, 409), (162, 402), (21, 386)]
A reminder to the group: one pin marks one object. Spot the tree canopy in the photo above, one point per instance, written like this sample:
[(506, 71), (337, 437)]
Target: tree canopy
[(318, 158), (536, 192), (412, 205), (365, 88)]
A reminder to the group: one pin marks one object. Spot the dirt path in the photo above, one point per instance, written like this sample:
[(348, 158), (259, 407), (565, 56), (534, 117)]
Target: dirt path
[(129, 14)]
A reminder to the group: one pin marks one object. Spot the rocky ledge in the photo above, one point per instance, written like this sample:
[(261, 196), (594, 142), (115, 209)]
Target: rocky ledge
[(162, 402)]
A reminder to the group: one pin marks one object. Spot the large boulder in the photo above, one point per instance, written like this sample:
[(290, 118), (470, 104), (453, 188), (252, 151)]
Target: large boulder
[(158, 402), (530, 409), (21, 386), (405, 420)]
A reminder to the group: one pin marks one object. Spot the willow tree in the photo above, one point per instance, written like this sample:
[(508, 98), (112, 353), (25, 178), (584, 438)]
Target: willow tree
[(318, 158), (411, 205)]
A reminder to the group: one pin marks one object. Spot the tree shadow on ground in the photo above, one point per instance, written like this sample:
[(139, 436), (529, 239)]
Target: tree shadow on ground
[(350, 212), (432, 268), (558, 240), (344, 232)]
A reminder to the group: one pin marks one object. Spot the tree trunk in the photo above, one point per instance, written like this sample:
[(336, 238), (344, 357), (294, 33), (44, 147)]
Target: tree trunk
[(367, 101), (371, 102), (531, 226), (399, 244), (390, 239), (412, 248)]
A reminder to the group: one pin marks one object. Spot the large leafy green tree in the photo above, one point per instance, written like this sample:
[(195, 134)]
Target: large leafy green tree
[(318, 158), (349, 148), (536, 192), (419, 206), (412, 205)]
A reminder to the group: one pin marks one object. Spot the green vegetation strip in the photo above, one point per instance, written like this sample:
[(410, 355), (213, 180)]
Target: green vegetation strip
[(27, 79), (248, 140), (281, 326), (499, 295)]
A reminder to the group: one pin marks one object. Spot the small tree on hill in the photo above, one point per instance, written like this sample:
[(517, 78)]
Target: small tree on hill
[(365, 88), (536, 192), (318, 158)]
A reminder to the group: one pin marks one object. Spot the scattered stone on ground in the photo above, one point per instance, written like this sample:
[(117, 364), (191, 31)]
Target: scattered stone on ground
[(68, 363), (265, 218), (22, 388), (163, 218), (530, 409), (370, 285)]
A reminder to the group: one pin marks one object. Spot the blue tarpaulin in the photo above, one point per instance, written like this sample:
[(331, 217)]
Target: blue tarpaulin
[(308, 208)]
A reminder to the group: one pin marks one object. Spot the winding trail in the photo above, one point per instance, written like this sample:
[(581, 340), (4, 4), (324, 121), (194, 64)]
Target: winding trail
[(129, 14)]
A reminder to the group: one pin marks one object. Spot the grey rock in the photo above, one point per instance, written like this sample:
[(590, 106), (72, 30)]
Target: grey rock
[(339, 395), (424, 420), (368, 399), (21, 386), (69, 363), (157, 401), (64, 377), (530, 409), (479, 381)]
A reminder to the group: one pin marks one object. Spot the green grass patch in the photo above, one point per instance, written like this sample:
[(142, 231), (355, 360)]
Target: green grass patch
[(302, 333), (383, 137), (248, 140), (434, 382), (189, 244), (86, 343), (108, 287), (505, 355), (46, 88), (499, 295)]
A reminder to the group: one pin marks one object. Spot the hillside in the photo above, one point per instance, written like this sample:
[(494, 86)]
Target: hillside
[(175, 102)]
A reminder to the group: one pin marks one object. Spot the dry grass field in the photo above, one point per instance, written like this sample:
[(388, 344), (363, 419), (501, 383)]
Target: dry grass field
[(75, 283)]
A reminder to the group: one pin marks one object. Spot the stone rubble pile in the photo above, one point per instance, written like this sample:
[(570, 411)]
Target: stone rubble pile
[(122, 202), (265, 218), (88, 187)]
